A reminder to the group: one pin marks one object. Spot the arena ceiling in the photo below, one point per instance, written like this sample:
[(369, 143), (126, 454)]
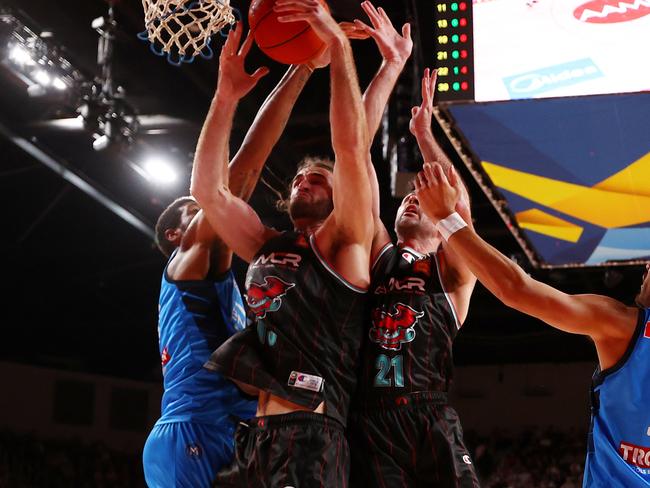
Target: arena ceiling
[(82, 274)]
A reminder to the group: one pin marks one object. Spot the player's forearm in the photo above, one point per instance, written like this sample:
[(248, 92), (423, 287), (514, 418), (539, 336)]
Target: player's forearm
[(374, 101), (235, 223), (597, 316), (460, 272), (265, 131), (429, 147), (351, 192), (378, 92), (347, 115), (209, 170), (500, 275)]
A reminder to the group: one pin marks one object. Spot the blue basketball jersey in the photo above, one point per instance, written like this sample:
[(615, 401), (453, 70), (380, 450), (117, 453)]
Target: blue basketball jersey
[(619, 443), (196, 317)]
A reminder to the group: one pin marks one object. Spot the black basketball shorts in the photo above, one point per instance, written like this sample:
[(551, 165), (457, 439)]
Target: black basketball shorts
[(295, 450), (414, 443)]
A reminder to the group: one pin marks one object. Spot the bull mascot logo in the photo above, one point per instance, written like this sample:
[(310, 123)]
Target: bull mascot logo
[(391, 330), (267, 296)]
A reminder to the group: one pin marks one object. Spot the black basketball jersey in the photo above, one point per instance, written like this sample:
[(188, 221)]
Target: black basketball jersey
[(305, 331), (410, 329)]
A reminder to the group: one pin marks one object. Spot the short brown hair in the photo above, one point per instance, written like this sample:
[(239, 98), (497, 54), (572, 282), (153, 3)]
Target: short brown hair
[(170, 219)]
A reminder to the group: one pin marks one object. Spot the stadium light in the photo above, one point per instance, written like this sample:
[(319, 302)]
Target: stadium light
[(43, 78), (159, 171), (36, 61), (59, 84), (101, 142), (20, 56)]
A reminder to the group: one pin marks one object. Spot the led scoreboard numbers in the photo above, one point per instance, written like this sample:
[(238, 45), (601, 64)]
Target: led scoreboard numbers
[(453, 50)]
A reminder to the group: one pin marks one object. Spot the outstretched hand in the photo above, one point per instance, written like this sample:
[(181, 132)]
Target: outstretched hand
[(314, 13), (392, 46), (421, 115), (353, 31), (234, 82), (438, 193)]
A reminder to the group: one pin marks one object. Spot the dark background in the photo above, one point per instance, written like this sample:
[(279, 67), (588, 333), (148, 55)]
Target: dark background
[(81, 284)]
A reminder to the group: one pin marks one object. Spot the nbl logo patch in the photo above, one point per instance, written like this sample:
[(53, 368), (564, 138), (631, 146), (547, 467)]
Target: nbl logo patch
[(646, 334)]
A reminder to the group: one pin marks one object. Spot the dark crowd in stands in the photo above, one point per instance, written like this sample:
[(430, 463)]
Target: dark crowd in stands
[(534, 459), (29, 462), (545, 458)]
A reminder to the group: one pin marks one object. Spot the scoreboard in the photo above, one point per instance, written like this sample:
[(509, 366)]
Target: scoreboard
[(453, 49)]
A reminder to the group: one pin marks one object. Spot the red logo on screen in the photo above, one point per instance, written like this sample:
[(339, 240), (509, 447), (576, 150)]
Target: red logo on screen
[(647, 330), (611, 11)]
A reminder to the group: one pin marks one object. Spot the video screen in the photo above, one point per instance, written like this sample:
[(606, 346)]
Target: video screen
[(559, 48), (575, 172)]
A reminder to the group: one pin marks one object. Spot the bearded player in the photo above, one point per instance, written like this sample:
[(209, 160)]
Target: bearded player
[(306, 289)]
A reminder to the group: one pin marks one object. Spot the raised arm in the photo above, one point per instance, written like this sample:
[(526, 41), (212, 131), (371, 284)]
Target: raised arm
[(609, 322), (213, 144), (456, 276), (270, 121), (420, 124), (395, 50), (351, 143), (351, 190), (231, 218)]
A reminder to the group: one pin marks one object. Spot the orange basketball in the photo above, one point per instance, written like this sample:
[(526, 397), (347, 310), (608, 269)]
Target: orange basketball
[(288, 43)]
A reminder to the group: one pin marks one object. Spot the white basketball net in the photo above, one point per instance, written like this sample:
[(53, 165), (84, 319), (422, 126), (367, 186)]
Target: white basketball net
[(182, 29)]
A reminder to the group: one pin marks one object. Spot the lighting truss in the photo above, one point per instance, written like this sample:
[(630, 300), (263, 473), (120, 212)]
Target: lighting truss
[(43, 68)]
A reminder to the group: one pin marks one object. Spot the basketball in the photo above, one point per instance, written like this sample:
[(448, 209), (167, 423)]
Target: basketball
[(288, 43)]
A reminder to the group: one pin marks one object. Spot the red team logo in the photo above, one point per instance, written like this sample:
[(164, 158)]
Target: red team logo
[(390, 331), (164, 356), (647, 330), (611, 11), (266, 297)]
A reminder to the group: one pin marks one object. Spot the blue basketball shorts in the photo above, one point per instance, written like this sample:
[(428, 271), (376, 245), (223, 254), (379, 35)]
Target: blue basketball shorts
[(186, 454)]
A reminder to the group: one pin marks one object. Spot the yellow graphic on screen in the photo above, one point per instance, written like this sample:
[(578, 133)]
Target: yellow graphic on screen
[(621, 200), (633, 180), (544, 223)]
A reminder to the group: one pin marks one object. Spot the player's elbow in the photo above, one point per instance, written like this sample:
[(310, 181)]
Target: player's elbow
[(207, 196), (199, 192), (242, 183)]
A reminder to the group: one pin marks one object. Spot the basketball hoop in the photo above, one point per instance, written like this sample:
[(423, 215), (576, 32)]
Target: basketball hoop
[(182, 29)]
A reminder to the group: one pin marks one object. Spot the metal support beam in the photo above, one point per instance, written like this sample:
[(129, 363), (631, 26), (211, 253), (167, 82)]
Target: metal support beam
[(81, 182)]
